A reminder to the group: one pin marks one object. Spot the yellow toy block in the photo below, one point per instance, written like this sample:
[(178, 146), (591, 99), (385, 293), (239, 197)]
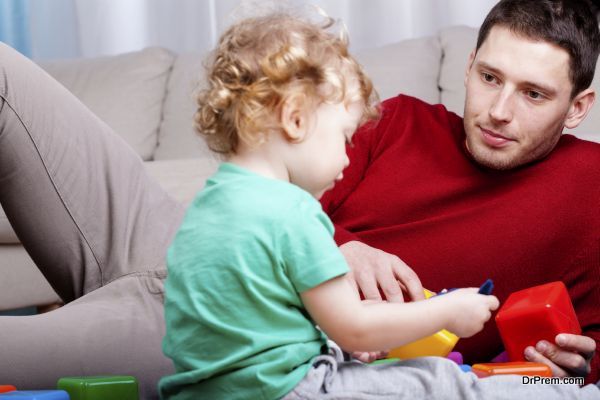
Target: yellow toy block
[(439, 344)]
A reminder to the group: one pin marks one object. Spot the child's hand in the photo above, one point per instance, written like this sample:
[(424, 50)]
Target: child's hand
[(369, 356), (468, 310)]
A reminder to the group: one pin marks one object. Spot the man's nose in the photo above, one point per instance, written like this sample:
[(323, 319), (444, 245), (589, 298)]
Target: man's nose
[(501, 108)]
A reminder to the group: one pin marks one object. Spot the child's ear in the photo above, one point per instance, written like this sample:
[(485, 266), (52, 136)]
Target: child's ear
[(293, 118)]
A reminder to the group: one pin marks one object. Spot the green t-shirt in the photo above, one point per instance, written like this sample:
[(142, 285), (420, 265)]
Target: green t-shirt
[(236, 326)]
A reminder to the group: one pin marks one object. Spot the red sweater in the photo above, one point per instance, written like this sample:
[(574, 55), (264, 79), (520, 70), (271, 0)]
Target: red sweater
[(412, 190)]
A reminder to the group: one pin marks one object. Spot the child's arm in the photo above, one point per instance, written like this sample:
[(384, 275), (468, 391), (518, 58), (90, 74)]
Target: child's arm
[(360, 326)]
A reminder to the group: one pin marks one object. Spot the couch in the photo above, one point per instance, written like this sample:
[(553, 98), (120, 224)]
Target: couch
[(147, 98)]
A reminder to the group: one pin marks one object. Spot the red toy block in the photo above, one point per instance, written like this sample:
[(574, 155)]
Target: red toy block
[(534, 314), (514, 368), (7, 388)]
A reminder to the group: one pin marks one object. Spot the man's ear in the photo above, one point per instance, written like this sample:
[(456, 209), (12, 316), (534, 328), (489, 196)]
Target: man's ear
[(580, 106), (293, 119), (469, 64)]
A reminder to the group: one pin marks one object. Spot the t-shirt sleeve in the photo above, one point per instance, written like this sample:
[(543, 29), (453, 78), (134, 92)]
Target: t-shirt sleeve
[(309, 253)]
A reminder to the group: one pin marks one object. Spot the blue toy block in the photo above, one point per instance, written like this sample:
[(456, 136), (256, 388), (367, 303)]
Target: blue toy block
[(465, 367), (36, 395), (487, 287)]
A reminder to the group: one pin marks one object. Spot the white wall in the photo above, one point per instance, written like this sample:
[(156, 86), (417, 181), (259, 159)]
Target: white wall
[(75, 28)]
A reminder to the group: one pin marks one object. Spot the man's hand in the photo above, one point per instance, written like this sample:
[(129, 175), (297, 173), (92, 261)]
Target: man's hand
[(371, 267), (569, 356)]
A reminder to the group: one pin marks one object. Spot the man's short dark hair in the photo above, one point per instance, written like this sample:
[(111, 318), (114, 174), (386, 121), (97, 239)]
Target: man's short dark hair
[(570, 24)]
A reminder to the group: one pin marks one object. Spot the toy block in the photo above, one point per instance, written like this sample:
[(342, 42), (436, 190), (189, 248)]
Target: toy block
[(534, 314), (7, 388), (36, 395), (439, 344), (500, 358), (456, 357), (486, 287), (100, 387), (465, 367), (384, 361), (511, 368)]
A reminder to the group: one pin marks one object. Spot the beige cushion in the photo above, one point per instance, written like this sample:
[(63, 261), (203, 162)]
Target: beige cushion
[(177, 137), (23, 286), (409, 67), (125, 91), (457, 43), (7, 235), (182, 179)]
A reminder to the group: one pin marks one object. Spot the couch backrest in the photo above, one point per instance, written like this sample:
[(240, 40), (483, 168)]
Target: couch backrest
[(177, 137), (430, 68), (126, 91), (148, 96)]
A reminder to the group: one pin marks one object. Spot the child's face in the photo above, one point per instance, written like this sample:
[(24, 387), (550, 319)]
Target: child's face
[(322, 154)]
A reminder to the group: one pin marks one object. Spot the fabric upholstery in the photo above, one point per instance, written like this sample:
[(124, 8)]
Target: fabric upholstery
[(125, 91), (410, 67)]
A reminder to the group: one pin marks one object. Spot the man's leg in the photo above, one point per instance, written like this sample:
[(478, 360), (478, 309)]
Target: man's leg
[(94, 222), (77, 196), (114, 330)]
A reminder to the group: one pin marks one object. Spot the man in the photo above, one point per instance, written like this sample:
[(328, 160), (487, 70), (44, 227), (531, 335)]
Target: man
[(501, 194)]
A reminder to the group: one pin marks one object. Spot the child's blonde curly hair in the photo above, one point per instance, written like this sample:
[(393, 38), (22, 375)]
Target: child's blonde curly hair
[(261, 61)]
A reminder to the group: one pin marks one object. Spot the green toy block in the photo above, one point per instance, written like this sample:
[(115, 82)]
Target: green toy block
[(100, 387), (384, 361)]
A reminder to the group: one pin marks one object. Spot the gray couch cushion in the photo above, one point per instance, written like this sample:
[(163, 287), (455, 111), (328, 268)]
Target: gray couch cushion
[(177, 137), (22, 283), (409, 67), (125, 91), (457, 42), (7, 235), (183, 178)]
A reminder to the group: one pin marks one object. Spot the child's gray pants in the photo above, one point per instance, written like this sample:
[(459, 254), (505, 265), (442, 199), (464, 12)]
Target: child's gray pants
[(423, 378)]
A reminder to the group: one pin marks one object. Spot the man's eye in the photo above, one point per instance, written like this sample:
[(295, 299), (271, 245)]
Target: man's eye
[(534, 95), (488, 77)]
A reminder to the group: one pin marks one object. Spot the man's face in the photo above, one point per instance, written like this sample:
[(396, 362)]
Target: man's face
[(518, 97)]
